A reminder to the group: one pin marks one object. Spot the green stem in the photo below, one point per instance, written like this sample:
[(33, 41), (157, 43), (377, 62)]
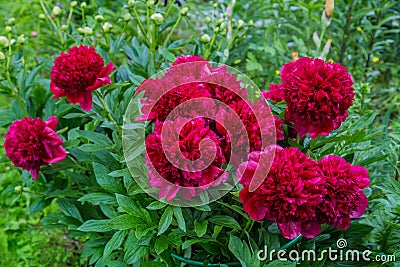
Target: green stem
[(110, 117), (172, 30), (320, 39), (47, 14), (208, 52), (141, 26), (21, 105)]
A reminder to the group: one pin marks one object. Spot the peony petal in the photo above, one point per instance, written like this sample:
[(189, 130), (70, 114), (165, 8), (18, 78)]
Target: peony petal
[(310, 230), (34, 172), (52, 122), (290, 230), (361, 207), (86, 104)]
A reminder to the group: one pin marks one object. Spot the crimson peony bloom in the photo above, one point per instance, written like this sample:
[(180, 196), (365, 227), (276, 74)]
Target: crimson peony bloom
[(180, 164), (289, 193), (344, 197), (186, 59), (31, 143), (317, 94), (78, 72)]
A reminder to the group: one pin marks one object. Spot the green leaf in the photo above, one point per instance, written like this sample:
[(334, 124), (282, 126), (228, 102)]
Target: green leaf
[(166, 54), (278, 263), (156, 205), (114, 243), (69, 209), (97, 138), (179, 218), (242, 252), (99, 226), (165, 220), (98, 198), (151, 264), (226, 221), (125, 221), (106, 182), (39, 205), (200, 227), (161, 244), (127, 204)]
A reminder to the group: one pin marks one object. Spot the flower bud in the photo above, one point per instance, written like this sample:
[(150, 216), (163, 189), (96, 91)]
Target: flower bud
[(99, 18), (184, 11), (359, 29), (219, 21), (127, 17), (208, 19), (240, 24), (42, 16), (2, 56), (205, 38), (88, 30), (56, 11), (375, 59), (74, 3), (18, 189), (34, 34), (131, 3), (250, 23), (81, 31), (11, 21), (295, 56), (83, 5), (277, 72), (215, 5), (8, 29), (150, 3), (329, 7), (158, 18), (107, 27), (64, 27), (216, 29), (237, 61), (12, 41), (21, 39)]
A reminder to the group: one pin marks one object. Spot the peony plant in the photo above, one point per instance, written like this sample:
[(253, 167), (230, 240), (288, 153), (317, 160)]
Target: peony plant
[(169, 160)]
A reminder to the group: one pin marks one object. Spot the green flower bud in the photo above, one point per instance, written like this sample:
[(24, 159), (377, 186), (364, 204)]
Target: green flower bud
[(215, 5), (216, 29), (11, 21), (208, 19), (219, 21), (18, 189), (74, 3), (42, 16), (83, 5), (150, 3), (127, 17), (237, 61), (250, 23), (131, 3), (21, 39), (240, 24), (2, 56), (64, 27), (205, 38), (81, 31), (56, 11), (3, 41), (158, 18), (8, 29), (88, 30), (107, 27), (99, 18), (184, 11)]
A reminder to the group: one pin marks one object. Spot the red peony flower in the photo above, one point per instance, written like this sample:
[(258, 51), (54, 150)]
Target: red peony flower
[(344, 197), (175, 161), (317, 94), (78, 72), (31, 143), (290, 191), (186, 59)]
